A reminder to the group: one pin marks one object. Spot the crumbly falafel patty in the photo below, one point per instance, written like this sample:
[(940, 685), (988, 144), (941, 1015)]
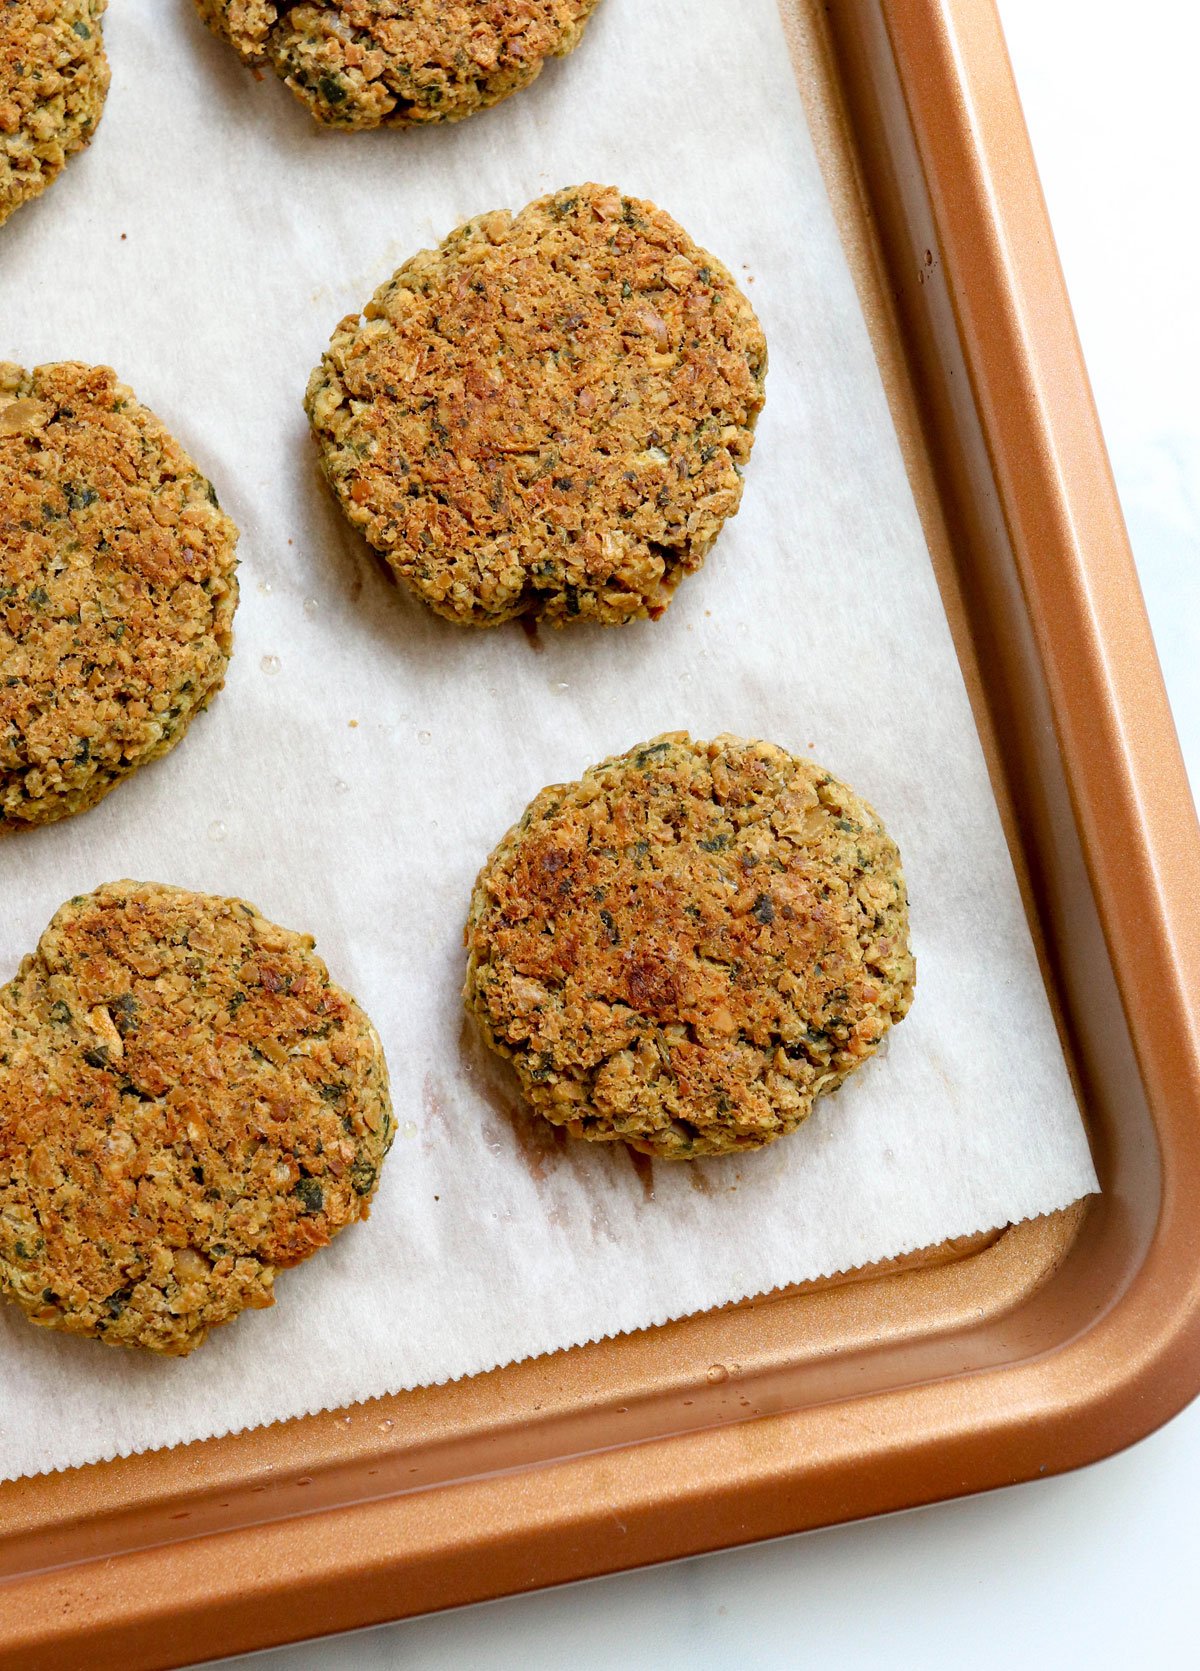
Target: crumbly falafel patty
[(187, 1105), (53, 83), (547, 415), (687, 947), (117, 589), (398, 63)]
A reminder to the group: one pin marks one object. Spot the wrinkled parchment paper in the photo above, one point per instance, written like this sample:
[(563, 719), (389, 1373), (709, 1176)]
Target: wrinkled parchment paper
[(365, 757)]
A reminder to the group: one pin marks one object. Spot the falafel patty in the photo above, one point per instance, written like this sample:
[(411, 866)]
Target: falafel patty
[(688, 946), (53, 82), (548, 415), (188, 1105), (399, 63), (117, 589)]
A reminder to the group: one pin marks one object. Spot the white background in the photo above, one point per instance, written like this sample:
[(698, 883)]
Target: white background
[(1096, 1569)]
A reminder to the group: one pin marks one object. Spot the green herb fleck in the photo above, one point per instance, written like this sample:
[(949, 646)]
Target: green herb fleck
[(362, 1176), (124, 1009), (312, 1196)]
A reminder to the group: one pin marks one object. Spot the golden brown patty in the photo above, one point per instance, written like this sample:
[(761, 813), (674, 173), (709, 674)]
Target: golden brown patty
[(370, 63), (547, 415), (53, 83), (117, 589), (690, 945), (187, 1105)]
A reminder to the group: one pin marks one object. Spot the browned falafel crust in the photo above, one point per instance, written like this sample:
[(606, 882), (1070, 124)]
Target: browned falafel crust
[(398, 63), (53, 82), (188, 1104), (547, 415), (117, 589), (687, 947)]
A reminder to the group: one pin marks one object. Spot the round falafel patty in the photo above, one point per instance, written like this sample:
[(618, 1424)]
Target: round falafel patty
[(398, 63), (188, 1104), (117, 589), (547, 415), (687, 947), (53, 82)]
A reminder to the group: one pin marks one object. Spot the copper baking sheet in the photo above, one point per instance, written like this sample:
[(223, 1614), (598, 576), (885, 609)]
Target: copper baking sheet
[(973, 1365)]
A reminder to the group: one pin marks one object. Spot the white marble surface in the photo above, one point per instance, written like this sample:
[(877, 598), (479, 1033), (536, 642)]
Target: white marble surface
[(1095, 1569)]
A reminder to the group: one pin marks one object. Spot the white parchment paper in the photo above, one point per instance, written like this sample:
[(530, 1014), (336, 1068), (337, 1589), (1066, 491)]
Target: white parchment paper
[(365, 757)]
